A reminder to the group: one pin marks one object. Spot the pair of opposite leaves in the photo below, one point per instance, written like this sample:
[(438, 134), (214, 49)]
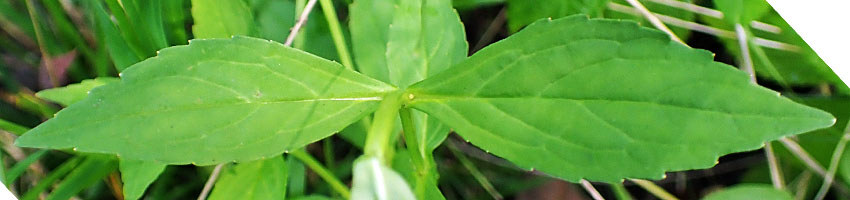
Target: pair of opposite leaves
[(573, 97)]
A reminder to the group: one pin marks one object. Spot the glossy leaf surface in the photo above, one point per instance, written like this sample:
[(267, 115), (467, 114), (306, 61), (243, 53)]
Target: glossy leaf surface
[(563, 95), (260, 179), (214, 101)]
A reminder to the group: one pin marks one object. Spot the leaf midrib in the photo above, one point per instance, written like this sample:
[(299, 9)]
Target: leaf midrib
[(444, 98)]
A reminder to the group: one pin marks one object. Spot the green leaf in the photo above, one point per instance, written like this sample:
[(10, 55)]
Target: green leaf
[(743, 12), (297, 173), (274, 18), (261, 179), (524, 12), (370, 24), (607, 94), (410, 41), (73, 93), (137, 175), (425, 38), (750, 192), (214, 101), (90, 171), (222, 18), (373, 180)]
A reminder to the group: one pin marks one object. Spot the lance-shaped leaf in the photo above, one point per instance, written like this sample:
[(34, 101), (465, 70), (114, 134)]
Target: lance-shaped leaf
[(606, 100), (214, 101), (75, 92), (136, 175), (260, 179)]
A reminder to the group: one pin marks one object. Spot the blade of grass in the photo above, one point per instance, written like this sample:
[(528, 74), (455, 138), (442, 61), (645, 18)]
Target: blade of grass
[(39, 35), (52, 177), (68, 32), (13, 127), (95, 168), (120, 51), (19, 168), (833, 165), (128, 31)]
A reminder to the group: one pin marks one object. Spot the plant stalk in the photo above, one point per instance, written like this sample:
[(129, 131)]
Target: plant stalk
[(620, 191), (323, 172), (591, 190), (833, 166), (654, 20), (336, 33), (210, 182), (422, 160), (704, 29), (300, 23), (378, 138)]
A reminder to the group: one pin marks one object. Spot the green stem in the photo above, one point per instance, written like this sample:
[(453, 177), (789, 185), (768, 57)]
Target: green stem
[(768, 65), (378, 138), (654, 189), (620, 192), (475, 172), (420, 158), (323, 172), (336, 33), (328, 151), (410, 139)]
